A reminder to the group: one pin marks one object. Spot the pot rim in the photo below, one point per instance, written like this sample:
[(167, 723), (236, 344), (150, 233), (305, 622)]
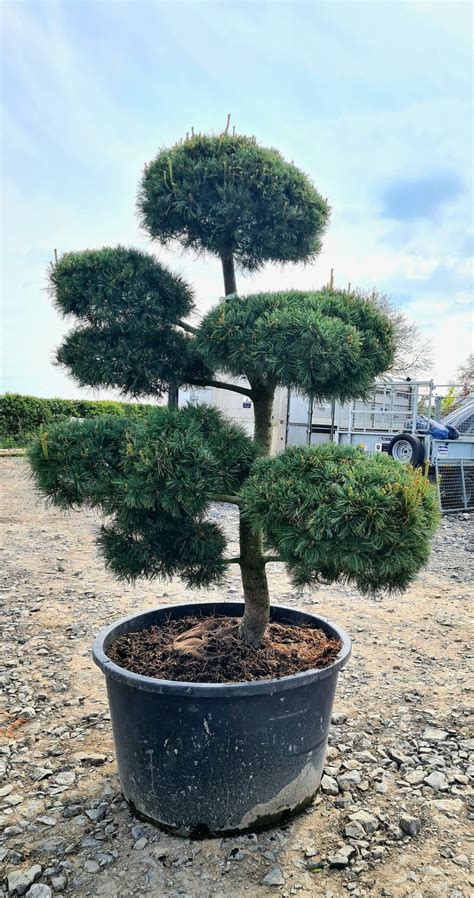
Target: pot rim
[(214, 690)]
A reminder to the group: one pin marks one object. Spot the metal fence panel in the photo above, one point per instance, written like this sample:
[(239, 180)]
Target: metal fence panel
[(455, 480)]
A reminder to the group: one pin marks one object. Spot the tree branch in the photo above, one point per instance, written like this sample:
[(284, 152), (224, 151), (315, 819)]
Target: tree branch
[(269, 558), (222, 386), (187, 327), (235, 560), (230, 500)]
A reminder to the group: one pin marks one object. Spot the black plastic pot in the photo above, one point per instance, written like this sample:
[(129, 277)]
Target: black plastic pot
[(202, 759)]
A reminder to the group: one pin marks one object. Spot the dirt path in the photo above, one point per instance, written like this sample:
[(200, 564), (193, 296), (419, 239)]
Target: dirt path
[(405, 693)]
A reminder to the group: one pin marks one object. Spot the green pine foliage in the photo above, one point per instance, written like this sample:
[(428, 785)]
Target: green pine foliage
[(153, 480), (118, 285), (329, 512), (333, 514), (192, 548), (328, 344), (126, 306), (229, 196), (137, 362)]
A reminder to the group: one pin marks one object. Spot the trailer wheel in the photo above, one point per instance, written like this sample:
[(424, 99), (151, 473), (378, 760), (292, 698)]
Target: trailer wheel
[(407, 449)]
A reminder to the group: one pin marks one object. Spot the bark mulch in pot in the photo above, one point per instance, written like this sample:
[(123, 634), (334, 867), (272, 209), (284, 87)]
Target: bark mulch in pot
[(198, 649)]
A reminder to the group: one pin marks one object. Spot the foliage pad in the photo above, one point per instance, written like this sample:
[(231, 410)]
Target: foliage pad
[(154, 481), (327, 344), (127, 305), (229, 196), (334, 514)]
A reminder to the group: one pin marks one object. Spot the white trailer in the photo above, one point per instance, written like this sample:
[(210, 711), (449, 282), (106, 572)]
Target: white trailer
[(394, 418)]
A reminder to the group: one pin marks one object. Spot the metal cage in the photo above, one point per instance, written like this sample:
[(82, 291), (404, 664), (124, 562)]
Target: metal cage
[(455, 481)]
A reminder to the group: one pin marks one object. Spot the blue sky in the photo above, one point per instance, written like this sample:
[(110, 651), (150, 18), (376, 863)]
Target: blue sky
[(371, 99)]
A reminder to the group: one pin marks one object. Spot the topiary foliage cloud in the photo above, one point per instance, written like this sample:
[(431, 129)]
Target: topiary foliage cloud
[(229, 196), (327, 344), (153, 480), (333, 514), (127, 306), (105, 286)]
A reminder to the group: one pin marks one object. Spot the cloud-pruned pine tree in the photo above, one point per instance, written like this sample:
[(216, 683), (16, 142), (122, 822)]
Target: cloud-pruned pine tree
[(329, 513)]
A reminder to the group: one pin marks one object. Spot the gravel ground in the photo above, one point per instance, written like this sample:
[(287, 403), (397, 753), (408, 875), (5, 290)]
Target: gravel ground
[(393, 818)]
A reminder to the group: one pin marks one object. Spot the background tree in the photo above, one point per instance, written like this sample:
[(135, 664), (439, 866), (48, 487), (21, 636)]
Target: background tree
[(465, 374), (328, 513), (449, 402), (414, 353), (461, 385)]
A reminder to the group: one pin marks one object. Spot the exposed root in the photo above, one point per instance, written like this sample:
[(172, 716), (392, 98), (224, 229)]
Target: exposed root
[(210, 650)]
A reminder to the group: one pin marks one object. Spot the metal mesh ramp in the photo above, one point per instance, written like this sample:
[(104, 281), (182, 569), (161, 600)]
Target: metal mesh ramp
[(455, 480), (462, 418)]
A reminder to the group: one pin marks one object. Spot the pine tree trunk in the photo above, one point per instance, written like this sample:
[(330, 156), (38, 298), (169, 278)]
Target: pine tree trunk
[(252, 565), (254, 582), (228, 270), (173, 395), (263, 407)]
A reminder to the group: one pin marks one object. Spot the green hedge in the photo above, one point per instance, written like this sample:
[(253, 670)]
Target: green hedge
[(21, 416)]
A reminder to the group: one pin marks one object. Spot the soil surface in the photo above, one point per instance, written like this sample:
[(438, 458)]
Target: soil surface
[(394, 814), (198, 649)]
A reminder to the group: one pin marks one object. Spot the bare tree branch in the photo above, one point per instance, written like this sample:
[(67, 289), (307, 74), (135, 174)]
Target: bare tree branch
[(413, 350), (230, 500), (465, 373)]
